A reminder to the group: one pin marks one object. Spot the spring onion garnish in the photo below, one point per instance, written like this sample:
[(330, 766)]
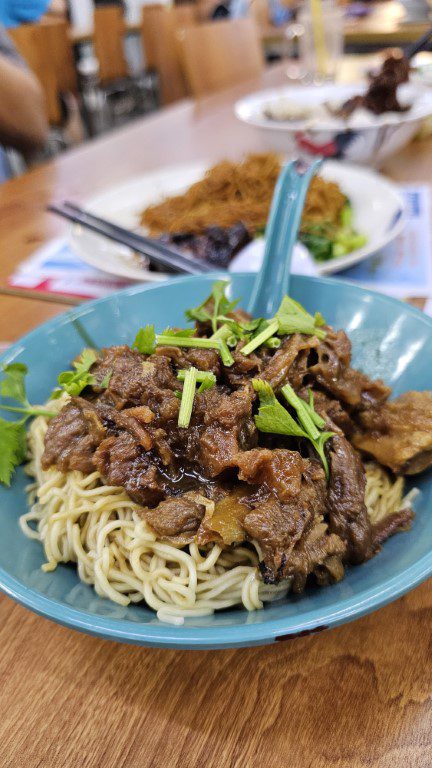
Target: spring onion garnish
[(187, 399), (145, 340), (191, 377), (273, 418), (13, 433), (164, 340), (206, 379), (265, 335)]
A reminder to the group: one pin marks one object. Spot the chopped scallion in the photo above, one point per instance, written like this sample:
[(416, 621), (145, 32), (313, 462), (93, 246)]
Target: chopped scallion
[(196, 343), (187, 398), (257, 341)]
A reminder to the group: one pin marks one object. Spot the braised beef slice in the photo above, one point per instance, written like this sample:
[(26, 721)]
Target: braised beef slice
[(175, 516), (318, 552), (399, 433), (123, 462), (398, 521), (133, 420), (245, 367), (280, 471), (224, 426), (72, 437), (331, 410), (346, 507), (332, 372), (279, 369), (202, 359), (126, 368), (283, 531)]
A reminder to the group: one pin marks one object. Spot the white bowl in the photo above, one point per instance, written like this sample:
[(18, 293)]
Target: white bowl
[(363, 138)]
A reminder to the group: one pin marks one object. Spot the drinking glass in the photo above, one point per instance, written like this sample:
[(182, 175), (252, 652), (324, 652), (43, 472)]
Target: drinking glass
[(319, 50)]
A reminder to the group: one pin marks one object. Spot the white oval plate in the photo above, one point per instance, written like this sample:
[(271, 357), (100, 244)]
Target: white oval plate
[(379, 213), (250, 109)]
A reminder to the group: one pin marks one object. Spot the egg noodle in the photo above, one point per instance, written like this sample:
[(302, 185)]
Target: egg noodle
[(79, 519)]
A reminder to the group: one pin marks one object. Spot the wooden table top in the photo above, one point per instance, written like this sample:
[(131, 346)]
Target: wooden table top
[(354, 697)]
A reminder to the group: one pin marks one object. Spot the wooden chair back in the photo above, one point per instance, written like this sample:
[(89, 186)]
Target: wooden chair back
[(47, 50), (159, 29), (108, 42), (219, 54)]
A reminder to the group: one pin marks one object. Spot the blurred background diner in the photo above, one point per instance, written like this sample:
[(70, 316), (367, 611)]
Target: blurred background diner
[(130, 103), (100, 65)]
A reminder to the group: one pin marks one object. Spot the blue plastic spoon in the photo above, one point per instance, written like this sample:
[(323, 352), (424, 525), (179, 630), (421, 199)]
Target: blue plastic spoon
[(272, 281)]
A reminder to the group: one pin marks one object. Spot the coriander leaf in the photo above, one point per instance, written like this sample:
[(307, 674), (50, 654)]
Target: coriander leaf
[(303, 411), (74, 382), (179, 333), (272, 417), (85, 361), (222, 305), (319, 447), (145, 340), (293, 318), (201, 314), (106, 380), (12, 448), (13, 385), (215, 307)]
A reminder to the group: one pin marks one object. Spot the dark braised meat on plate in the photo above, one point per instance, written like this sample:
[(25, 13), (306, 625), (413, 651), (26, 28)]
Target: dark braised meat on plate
[(381, 95), (216, 245), (273, 435)]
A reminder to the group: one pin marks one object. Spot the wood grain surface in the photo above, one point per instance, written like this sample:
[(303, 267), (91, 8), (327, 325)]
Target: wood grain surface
[(359, 696)]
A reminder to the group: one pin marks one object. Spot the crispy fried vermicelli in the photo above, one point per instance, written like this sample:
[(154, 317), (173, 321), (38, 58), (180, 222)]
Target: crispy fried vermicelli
[(238, 192)]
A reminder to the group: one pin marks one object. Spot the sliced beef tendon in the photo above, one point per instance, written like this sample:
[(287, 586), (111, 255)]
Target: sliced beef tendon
[(398, 434)]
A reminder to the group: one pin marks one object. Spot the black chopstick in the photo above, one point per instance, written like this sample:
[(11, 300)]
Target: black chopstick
[(417, 45), (158, 253)]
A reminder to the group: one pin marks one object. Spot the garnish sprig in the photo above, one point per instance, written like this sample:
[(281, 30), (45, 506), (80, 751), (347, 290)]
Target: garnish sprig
[(13, 433), (274, 418), (219, 304), (73, 382)]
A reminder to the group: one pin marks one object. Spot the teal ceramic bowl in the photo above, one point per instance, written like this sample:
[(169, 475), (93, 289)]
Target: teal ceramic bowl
[(390, 340)]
